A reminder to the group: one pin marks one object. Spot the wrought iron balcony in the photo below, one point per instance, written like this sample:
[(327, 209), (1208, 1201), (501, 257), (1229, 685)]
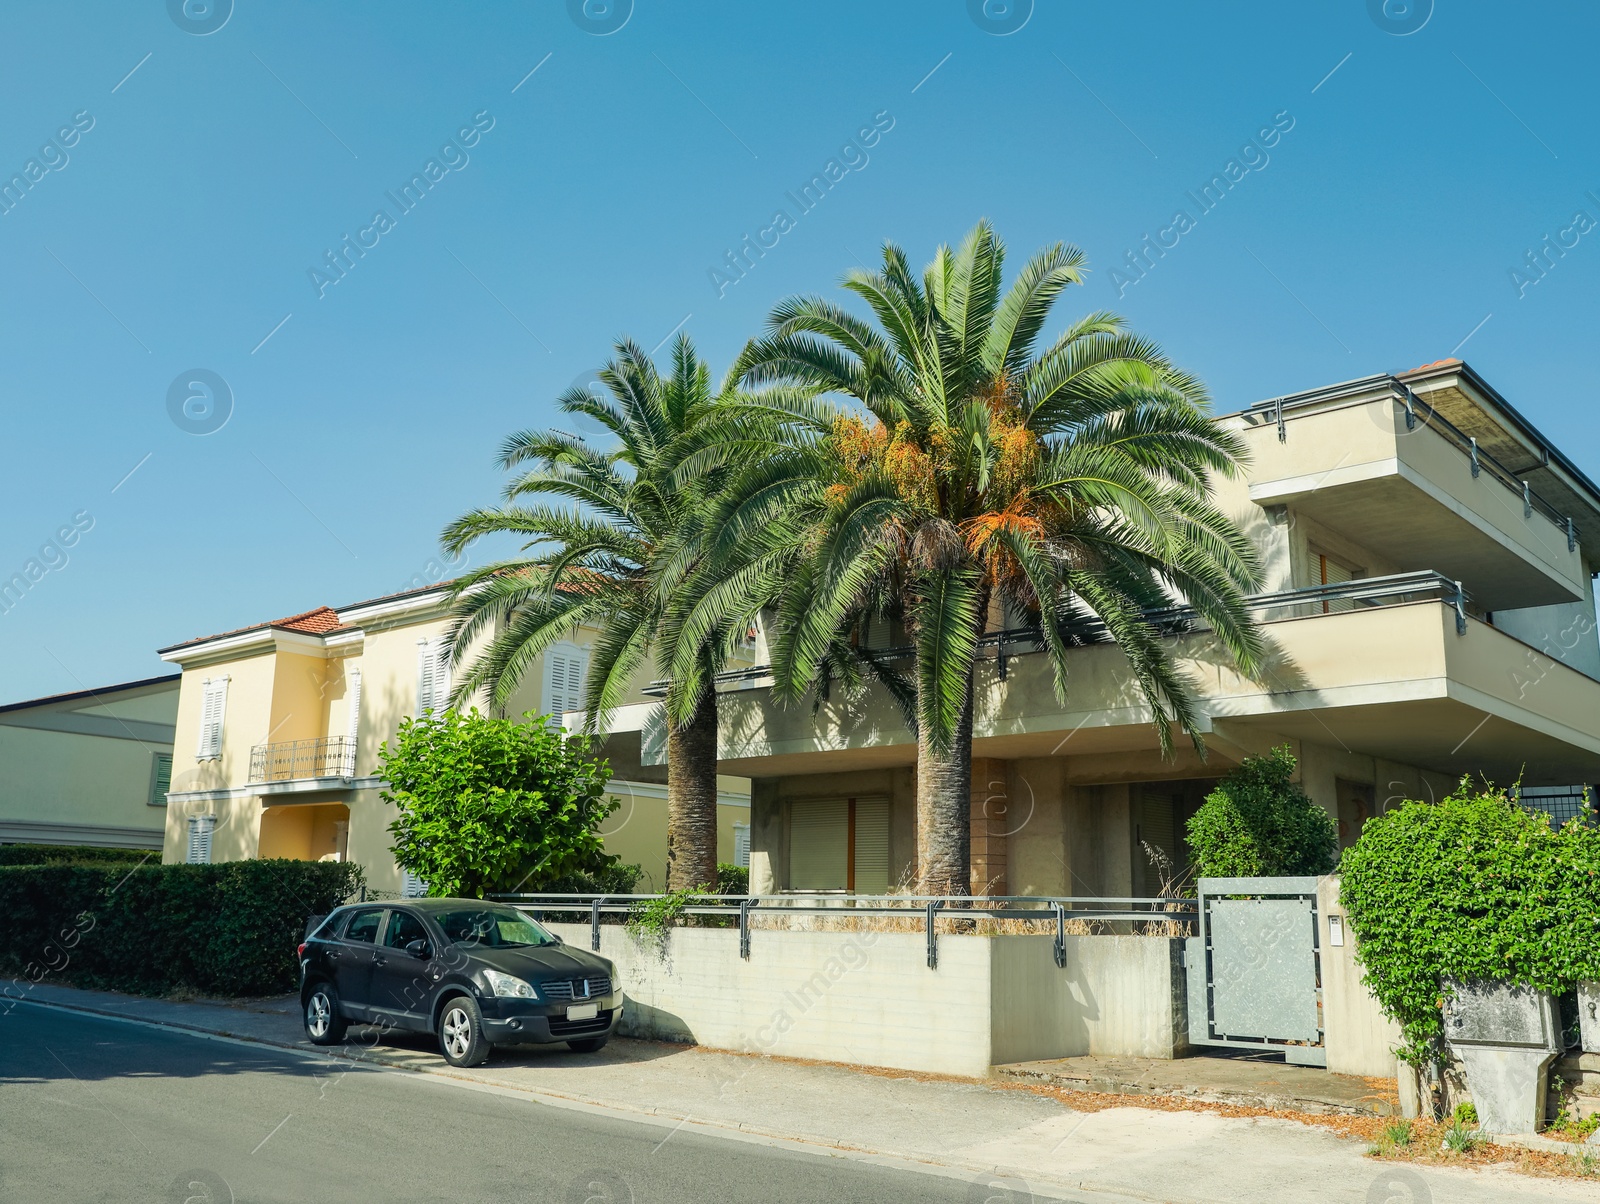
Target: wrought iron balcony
[(289, 760)]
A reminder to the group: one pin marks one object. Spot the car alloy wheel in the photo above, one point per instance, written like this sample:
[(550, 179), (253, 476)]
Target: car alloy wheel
[(319, 1015), (457, 1032)]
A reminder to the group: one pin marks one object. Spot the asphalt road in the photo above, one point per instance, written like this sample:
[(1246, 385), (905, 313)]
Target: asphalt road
[(97, 1110)]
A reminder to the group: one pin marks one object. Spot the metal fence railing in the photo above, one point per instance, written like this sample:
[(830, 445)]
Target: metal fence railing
[(323, 757), (927, 910)]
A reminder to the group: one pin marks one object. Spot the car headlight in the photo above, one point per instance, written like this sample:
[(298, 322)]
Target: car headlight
[(509, 986)]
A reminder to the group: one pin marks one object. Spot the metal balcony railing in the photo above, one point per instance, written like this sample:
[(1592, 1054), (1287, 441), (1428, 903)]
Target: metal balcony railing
[(288, 760), (1419, 413)]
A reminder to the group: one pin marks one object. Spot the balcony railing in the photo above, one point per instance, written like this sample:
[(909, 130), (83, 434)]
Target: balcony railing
[(1417, 412), (1359, 594), (288, 760)]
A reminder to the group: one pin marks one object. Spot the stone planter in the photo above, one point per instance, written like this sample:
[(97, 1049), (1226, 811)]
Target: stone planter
[(1506, 1037)]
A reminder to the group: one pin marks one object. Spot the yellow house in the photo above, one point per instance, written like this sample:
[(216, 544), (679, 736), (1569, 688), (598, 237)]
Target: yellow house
[(1429, 606), (90, 767), (279, 726)]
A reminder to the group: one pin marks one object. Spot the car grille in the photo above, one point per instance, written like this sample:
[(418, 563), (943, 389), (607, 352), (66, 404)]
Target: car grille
[(599, 986), (578, 1028)]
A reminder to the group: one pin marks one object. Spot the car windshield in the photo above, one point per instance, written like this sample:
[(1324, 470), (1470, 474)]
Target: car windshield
[(495, 927)]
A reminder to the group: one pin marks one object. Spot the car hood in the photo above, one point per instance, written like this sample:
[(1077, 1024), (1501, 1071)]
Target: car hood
[(544, 962)]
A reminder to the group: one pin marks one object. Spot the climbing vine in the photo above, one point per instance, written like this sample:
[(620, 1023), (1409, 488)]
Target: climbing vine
[(1470, 887)]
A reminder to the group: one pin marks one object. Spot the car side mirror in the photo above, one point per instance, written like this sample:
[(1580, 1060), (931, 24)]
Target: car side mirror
[(558, 939), (419, 949)]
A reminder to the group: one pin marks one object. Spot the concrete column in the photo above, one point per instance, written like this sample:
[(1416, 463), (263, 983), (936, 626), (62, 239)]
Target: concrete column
[(769, 861), (990, 808), (1036, 854)]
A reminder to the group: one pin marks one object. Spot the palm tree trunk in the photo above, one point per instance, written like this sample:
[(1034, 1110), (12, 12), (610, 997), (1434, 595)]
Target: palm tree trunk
[(692, 798), (944, 809)]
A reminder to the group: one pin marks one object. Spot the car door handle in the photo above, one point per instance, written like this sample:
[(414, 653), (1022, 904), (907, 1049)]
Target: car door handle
[(332, 955), (379, 960)]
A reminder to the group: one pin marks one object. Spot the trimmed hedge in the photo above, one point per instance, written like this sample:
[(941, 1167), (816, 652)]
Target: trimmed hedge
[(51, 854), (228, 929)]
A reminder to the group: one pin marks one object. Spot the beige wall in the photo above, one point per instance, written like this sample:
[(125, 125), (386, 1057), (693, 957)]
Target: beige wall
[(1359, 1038), (85, 786), (870, 998)]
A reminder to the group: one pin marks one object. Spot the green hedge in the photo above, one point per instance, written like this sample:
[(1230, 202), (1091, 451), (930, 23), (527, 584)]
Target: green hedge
[(51, 854), (228, 929)]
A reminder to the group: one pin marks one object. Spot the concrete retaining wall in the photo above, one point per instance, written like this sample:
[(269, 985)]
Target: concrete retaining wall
[(869, 998)]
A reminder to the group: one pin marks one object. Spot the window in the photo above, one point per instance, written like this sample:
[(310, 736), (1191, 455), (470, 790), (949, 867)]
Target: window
[(160, 778), (741, 845), (840, 844), (200, 829), (433, 676), (363, 926), (403, 929), (213, 705), (411, 886), (497, 927), (564, 667)]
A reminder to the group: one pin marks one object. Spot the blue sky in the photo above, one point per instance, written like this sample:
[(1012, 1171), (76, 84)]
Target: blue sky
[(179, 232)]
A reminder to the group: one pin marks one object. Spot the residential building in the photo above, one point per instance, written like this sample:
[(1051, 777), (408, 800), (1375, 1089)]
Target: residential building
[(89, 767), (1429, 610), (279, 727)]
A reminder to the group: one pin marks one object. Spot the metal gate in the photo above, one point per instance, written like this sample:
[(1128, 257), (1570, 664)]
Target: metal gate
[(1254, 970)]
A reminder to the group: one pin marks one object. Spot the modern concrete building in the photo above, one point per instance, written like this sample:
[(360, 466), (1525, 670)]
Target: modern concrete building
[(89, 767), (279, 727), (1429, 610)]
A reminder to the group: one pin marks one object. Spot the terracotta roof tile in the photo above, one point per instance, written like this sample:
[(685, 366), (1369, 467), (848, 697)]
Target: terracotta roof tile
[(320, 621), (1444, 363)]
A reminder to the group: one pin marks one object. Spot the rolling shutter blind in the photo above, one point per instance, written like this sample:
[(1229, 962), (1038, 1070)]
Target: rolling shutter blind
[(200, 827), (213, 704), (818, 857), (1333, 572), (160, 778), (741, 845), (564, 668), (872, 847)]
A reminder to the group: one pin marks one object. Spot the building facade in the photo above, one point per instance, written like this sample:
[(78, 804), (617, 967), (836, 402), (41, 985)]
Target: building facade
[(90, 767), (1429, 612), (279, 726)]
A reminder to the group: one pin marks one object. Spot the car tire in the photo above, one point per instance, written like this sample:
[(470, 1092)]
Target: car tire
[(461, 1038), (589, 1044), (324, 1024)]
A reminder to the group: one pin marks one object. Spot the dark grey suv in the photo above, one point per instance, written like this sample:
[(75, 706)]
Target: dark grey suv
[(477, 974)]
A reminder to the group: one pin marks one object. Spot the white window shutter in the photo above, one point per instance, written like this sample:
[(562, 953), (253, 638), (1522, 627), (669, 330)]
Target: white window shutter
[(441, 677), (412, 887), (353, 718), (741, 845), (202, 748), (565, 666), (200, 828), (213, 706), (426, 666)]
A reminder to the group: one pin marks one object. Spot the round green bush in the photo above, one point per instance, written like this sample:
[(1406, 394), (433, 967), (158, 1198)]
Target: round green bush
[(1472, 887), (1258, 823)]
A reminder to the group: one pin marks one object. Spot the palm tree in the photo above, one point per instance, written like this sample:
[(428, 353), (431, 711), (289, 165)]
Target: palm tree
[(985, 479), (601, 560)]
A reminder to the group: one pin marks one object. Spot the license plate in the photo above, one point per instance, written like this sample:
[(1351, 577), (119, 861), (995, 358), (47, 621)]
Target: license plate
[(583, 1011)]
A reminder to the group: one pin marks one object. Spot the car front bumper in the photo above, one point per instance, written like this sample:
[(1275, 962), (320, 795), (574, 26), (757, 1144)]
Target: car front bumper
[(527, 1022)]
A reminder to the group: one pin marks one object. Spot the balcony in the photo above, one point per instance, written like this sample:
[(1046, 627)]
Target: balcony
[(1400, 668), (303, 760), (1371, 460)]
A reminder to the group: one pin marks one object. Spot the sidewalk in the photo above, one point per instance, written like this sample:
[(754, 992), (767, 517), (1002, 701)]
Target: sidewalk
[(1033, 1141)]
